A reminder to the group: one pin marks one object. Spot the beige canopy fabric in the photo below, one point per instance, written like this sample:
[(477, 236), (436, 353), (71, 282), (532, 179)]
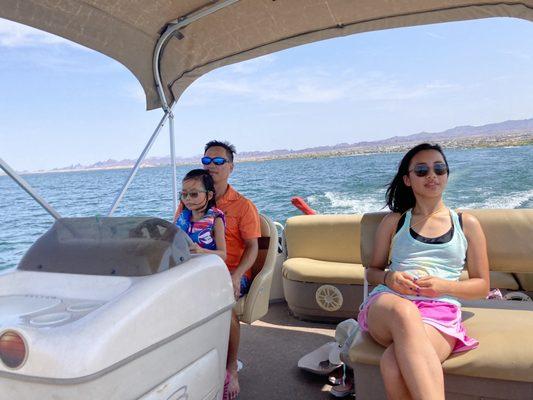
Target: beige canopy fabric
[(128, 30)]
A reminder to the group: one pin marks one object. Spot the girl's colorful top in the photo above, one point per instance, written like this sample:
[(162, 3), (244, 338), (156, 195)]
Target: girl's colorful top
[(201, 232), (444, 260)]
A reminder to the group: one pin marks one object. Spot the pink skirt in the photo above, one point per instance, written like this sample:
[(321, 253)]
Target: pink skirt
[(445, 317)]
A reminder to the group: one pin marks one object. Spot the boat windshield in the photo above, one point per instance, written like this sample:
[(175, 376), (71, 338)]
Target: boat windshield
[(121, 246)]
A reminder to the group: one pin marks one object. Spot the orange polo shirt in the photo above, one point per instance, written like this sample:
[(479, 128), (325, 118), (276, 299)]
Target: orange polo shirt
[(242, 223)]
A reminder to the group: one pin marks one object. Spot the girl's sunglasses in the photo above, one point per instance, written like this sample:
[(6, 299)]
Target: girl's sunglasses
[(423, 169), (215, 160), (191, 195)]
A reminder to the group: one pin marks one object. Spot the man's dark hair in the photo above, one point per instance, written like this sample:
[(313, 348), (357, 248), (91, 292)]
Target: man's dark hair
[(230, 149)]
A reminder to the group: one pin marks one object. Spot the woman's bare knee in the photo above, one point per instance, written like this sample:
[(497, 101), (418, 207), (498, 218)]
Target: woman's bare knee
[(405, 314)]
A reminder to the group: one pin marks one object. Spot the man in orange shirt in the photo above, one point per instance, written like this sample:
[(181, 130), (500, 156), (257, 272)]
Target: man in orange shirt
[(242, 231)]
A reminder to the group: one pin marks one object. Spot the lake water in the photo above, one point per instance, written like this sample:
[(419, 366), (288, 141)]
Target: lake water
[(480, 178)]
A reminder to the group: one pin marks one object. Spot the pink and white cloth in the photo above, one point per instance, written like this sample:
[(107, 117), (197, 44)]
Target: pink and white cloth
[(444, 316)]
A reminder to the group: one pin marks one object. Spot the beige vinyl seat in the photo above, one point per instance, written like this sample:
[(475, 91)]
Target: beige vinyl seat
[(502, 366), (254, 305), (323, 275)]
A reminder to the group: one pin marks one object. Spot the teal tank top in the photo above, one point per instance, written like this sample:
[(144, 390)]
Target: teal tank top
[(442, 260)]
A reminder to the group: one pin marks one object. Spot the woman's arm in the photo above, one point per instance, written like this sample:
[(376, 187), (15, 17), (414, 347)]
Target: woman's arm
[(376, 274), (478, 285)]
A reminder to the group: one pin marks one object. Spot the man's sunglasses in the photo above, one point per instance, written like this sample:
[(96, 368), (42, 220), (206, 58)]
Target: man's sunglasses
[(191, 195), (423, 169), (215, 160)]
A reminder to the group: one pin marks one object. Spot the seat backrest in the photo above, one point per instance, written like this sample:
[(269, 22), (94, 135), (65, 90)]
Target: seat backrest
[(255, 304), (509, 236), (324, 237), (264, 244)]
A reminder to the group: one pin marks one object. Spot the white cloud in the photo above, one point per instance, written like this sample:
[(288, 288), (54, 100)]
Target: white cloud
[(310, 86), (136, 93), (13, 34), (253, 65), (517, 55)]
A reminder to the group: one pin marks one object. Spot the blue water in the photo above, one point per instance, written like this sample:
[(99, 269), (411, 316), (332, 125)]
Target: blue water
[(480, 178)]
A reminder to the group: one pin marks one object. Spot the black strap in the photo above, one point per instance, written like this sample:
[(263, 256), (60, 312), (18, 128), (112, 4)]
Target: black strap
[(400, 223)]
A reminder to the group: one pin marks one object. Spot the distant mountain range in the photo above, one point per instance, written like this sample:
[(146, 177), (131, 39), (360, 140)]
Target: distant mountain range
[(507, 133)]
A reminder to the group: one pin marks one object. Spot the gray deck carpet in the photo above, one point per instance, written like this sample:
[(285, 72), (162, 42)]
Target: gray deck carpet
[(270, 349)]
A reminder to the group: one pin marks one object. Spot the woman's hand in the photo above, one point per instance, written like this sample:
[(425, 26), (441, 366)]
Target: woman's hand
[(402, 283), (194, 248), (431, 286)]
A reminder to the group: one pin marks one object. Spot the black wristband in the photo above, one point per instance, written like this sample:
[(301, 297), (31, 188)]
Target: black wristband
[(385, 277)]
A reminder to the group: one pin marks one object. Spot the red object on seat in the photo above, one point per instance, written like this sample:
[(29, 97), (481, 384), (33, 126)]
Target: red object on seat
[(301, 205)]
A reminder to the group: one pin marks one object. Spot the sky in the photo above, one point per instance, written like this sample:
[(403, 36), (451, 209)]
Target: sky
[(63, 104)]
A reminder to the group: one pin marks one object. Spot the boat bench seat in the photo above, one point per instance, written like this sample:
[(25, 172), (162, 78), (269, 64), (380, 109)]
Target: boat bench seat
[(318, 271), (323, 259), (502, 366), (325, 250)]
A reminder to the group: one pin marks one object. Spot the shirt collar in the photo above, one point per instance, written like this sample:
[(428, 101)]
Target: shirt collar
[(230, 195)]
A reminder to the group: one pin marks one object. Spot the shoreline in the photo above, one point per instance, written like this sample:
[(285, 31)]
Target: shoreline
[(455, 144)]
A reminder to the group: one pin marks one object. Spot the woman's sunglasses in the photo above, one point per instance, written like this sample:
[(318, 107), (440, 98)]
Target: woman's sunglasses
[(191, 195), (423, 169), (215, 160)]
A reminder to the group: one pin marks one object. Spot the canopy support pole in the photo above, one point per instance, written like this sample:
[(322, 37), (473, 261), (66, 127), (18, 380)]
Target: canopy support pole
[(172, 29), (28, 189), (173, 161), (139, 161)]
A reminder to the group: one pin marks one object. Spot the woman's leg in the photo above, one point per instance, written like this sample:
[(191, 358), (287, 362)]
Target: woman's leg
[(392, 376), (443, 344), (395, 319)]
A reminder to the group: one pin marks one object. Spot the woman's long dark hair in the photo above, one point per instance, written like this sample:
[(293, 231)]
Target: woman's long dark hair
[(207, 180), (400, 197)]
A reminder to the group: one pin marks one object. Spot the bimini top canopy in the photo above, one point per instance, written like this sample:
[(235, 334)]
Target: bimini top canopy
[(129, 30)]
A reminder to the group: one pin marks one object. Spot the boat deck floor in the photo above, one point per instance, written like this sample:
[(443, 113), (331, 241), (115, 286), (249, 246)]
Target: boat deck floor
[(270, 349)]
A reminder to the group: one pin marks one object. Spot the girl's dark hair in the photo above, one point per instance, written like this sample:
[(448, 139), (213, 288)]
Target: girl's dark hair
[(207, 180), (400, 197)]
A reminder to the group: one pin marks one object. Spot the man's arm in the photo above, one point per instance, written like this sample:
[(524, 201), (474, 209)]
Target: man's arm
[(247, 260)]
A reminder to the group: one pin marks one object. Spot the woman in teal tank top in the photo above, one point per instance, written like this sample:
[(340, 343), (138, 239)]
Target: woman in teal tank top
[(419, 253)]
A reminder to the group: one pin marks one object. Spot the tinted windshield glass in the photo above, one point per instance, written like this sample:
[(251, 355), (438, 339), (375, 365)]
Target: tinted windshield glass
[(130, 246)]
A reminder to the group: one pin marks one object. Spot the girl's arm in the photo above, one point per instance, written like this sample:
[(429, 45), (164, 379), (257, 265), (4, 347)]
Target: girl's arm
[(220, 238), (220, 241), (398, 281), (478, 285)]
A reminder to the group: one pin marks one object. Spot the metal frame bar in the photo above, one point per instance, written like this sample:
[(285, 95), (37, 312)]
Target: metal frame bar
[(139, 161), (173, 162), (28, 189), (172, 28)]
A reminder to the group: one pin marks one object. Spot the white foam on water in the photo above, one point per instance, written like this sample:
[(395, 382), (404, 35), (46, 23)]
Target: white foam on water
[(358, 204), (509, 200), (313, 200)]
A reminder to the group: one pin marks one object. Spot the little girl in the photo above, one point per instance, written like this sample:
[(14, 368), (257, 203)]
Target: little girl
[(414, 311), (200, 219)]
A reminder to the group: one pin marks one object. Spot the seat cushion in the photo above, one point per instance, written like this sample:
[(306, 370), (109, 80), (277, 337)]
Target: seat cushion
[(316, 271), (500, 280), (505, 343)]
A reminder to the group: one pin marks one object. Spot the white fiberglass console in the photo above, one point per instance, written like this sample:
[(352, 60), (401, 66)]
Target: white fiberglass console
[(114, 308)]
